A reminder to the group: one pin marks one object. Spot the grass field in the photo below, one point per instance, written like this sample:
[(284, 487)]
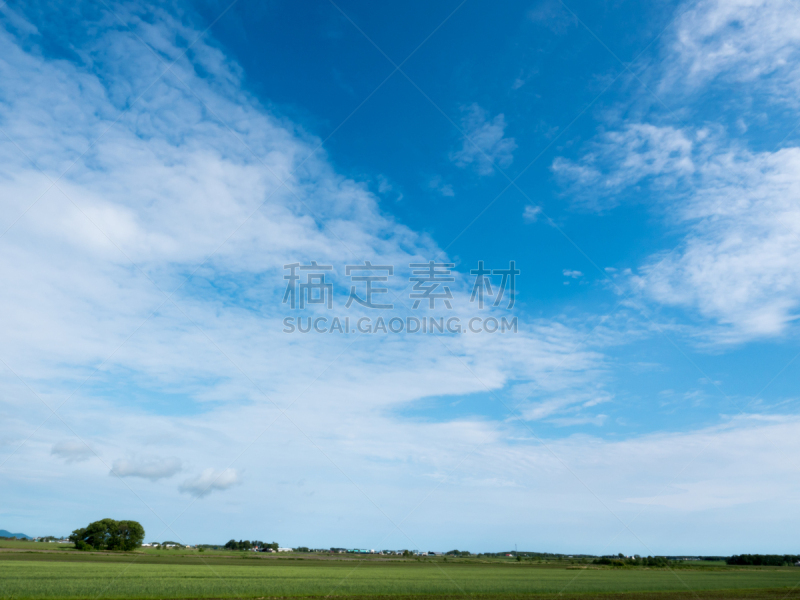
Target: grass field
[(147, 575)]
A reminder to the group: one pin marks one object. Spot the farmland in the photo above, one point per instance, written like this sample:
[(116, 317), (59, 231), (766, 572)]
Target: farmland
[(65, 574)]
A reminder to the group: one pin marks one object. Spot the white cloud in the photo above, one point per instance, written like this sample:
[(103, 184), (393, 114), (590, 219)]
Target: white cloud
[(571, 407), (72, 451), (738, 211), (616, 160), (152, 469), (739, 263), (172, 187), (741, 41), (531, 213), (210, 480), (484, 144), (572, 273)]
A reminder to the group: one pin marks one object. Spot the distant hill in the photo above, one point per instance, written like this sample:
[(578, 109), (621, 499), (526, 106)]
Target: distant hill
[(4, 533)]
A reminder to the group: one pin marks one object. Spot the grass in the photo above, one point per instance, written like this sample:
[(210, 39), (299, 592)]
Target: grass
[(215, 575)]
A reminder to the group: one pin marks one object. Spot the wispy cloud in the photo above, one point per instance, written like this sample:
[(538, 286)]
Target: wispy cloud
[(739, 41), (739, 263), (553, 15), (445, 189), (484, 144), (385, 188), (736, 209), (637, 154)]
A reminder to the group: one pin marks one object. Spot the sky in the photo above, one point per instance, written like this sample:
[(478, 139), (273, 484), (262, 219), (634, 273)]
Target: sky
[(638, 164)]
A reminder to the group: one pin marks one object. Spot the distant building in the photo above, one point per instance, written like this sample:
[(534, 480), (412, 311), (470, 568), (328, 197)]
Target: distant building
[(284, 550)]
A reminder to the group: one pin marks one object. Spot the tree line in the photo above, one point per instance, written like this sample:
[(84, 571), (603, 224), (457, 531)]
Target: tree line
[(248, 545), (765, 560)]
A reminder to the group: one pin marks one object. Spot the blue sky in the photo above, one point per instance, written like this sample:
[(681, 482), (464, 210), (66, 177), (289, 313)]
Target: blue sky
[(638, 162)]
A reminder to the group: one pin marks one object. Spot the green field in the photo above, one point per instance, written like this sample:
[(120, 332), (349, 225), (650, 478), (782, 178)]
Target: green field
[(75, 574)]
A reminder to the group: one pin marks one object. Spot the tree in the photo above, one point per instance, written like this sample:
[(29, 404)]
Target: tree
[(127, 536), (93, 536), (108, 534)]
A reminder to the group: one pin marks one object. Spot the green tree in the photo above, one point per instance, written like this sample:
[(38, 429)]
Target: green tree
[(127, 536), (108, 534)]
